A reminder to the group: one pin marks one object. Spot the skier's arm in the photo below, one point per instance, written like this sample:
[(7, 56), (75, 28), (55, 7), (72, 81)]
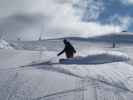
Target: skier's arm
[(74, 49), (61, 52)]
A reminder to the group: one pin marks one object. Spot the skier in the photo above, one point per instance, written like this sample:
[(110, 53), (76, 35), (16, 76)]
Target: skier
[(68, 49)]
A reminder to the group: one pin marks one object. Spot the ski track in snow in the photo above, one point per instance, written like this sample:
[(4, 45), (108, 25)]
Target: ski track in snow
[(44, 66), (60, 93), (119, 85), (111, 77)]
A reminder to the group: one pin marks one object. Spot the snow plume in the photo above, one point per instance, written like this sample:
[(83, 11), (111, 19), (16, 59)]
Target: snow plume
[(63, 18), (67, 20)]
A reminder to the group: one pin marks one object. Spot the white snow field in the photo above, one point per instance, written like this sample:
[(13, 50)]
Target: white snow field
[(32, 71)]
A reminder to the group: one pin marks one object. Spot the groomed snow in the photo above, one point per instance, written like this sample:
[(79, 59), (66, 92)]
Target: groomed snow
[(25, 75)]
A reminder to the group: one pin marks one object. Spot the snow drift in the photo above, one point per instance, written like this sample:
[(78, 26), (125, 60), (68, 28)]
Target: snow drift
[(5, 45)]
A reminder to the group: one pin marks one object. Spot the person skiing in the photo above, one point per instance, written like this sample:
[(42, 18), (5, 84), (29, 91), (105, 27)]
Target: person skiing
[(68, 49)]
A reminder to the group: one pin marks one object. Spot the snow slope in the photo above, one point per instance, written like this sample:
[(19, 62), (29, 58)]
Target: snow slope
[(33, 73), (5, 45)]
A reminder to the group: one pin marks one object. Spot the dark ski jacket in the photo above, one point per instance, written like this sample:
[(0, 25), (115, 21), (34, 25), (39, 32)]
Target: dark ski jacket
[(68, 49)]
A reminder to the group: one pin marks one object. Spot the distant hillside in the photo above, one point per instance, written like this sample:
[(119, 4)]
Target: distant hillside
[(119, 38)]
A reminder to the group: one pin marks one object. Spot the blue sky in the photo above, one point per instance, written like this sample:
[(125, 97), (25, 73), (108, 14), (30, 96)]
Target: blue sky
[(84, 18), (109, 12)]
